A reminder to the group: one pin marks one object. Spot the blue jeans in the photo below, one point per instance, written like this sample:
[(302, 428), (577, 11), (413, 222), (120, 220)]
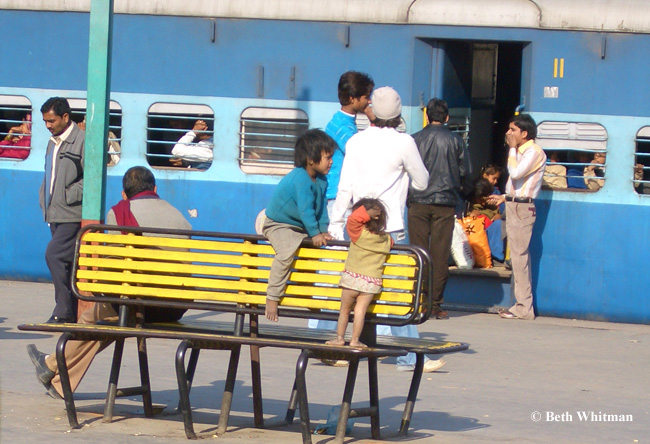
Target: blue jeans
[(406, 331)]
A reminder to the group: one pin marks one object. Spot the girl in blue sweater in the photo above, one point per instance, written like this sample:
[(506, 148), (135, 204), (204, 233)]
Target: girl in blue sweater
[(298, 209)]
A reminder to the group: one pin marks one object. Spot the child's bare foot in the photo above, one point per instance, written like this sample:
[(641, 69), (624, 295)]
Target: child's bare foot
[(271, 311), (337, 341), (358, 344)]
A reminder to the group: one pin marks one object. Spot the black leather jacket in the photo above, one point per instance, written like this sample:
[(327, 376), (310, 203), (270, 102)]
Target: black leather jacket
[(447, 159)]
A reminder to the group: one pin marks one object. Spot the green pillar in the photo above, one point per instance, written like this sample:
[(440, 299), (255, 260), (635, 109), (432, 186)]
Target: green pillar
[(97, 112)]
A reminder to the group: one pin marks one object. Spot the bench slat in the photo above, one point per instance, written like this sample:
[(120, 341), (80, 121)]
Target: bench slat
[(212, 270), (213, 296), (231, 247)]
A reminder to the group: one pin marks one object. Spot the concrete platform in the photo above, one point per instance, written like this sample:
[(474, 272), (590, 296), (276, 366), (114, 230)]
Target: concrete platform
[(520, 382)]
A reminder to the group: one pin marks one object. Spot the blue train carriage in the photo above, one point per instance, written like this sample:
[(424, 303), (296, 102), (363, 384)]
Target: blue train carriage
[(261, 72)]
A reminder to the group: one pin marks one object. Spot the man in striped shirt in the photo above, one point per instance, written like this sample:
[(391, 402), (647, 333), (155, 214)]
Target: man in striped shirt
[(526, 164)]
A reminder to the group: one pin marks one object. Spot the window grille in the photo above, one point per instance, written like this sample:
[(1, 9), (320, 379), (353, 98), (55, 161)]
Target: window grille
[(268, 138), (641, 174), (114, 143), (15, 128), (576, 155), (167, 124)]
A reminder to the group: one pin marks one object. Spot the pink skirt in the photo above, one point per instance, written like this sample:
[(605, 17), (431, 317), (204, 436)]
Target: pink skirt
[(359, 282)]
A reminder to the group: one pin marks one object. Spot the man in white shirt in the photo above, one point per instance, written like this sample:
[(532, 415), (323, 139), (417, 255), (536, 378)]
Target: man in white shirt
[(380, 162), (194, 149)]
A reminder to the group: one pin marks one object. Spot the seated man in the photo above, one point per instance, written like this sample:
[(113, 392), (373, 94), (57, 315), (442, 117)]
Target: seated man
[(194, 149), (595, 170), (142, 207)]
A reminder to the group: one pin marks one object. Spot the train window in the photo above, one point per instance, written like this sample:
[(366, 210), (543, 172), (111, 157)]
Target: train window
[(114, 144), (268, 138), (362, 122), (576, 155), (15, 128), (641, 179), (180, 136)]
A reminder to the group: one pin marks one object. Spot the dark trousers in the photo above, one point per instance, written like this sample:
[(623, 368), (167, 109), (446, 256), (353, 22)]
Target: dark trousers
[(431, 227), (59, 256)]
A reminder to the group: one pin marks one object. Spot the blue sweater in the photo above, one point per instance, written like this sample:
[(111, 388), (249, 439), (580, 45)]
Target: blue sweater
[(300, 201), (340, 128)]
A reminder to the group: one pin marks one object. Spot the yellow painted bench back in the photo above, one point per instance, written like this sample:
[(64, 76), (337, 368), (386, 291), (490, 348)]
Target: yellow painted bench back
[(225, 268)]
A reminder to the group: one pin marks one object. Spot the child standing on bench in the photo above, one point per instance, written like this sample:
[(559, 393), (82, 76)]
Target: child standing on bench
[(361, 278), (298, 209)]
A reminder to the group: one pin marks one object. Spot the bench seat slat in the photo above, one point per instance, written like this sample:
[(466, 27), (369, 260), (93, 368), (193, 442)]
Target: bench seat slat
[(212, 270), (184, 283), (214, 296)]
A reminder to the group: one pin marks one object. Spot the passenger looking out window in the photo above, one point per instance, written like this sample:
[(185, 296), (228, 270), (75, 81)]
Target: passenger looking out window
[(194, 149), (555, 173), (18, 140), (113, 147)]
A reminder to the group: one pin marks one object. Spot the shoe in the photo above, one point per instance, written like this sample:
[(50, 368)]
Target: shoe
[(507, 264), (43, 373), (432, 365), (506, 314), (57, 320), (405, 367), (335, 362), (442, 314)]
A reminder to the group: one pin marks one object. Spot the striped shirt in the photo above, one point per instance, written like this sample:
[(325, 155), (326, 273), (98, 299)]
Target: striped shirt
[(526, 166)]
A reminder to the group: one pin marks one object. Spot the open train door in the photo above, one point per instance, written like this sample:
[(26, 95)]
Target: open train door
[(481, 82)]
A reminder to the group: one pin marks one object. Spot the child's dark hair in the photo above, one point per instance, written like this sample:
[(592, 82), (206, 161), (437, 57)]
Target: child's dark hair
[(482, 188), (491, 169), (310, 145), (376, 226)]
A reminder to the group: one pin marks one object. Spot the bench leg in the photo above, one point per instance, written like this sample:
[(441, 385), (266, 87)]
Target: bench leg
[(226, 401), (112, 380), (413, 393), (65, 380), (191, 369), (344, 415), (184, 389), (301, 387), (373, 382), (144, 377), (256, 376), (293, 403)]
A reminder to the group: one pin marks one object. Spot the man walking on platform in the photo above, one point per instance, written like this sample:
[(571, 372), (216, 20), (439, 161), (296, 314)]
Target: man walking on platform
[(60, 199), (140, 206), (431, 211)]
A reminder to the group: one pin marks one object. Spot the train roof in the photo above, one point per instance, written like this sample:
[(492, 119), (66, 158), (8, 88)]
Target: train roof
[(594, 15)]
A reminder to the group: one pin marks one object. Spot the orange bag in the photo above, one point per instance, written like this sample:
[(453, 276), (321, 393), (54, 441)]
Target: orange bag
[(475, 230)]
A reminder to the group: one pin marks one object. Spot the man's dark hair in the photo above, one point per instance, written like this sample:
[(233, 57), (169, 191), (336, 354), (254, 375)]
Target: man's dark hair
[(388, 123), (59, 105), (378, 225), (136, 180), (525, 123), (353, 85), (437, 110), (310, 146)]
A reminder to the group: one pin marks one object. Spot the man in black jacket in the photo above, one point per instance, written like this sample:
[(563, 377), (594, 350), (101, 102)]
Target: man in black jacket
[(431, 211)]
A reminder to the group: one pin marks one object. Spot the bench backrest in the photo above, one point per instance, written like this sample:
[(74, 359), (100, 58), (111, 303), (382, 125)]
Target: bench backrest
[(229, 272)]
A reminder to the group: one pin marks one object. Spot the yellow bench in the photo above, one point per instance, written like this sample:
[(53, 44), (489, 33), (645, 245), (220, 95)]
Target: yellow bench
[(223, 272)]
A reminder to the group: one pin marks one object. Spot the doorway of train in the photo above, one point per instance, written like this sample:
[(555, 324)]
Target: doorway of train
[(481, 82)]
